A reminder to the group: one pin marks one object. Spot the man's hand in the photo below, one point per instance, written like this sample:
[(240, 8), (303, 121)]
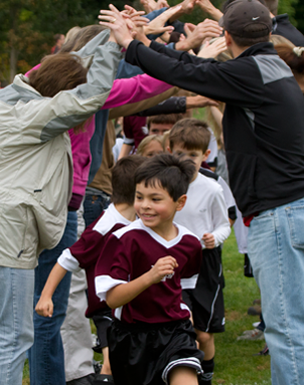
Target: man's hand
[(214, 49), (199, 101), (209, 8), (116, 22), (151, 5), (196, 35), (209, 241), (164, 266), (156, 25), (45, 307)]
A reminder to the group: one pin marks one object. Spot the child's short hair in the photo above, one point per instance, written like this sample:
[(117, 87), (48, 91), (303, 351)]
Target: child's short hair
[(164, 119), (192, 134), (170, 172), (123, 179), (147, 140)]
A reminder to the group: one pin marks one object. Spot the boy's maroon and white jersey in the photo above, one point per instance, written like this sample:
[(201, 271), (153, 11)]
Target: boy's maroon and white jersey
[(88, 249), (132, 251)]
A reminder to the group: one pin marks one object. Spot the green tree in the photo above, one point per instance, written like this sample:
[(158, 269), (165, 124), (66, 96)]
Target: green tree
[(27, 28)]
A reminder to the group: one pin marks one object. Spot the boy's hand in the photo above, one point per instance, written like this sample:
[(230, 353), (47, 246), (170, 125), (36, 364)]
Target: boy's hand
[(164, 266), (209, 241), (45, 307)]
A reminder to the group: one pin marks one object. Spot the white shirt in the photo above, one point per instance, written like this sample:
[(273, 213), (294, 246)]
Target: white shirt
[(205, 210)]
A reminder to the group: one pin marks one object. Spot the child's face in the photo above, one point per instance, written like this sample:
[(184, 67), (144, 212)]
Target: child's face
[(197, 156), (153, 148), (155, 207)]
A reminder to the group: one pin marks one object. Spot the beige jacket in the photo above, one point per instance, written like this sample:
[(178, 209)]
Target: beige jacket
[(35, 154)]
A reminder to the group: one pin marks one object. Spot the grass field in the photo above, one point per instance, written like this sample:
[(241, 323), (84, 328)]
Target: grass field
[(235, 363)]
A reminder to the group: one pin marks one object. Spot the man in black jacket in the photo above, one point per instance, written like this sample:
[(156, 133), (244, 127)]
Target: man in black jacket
[(264, 139)]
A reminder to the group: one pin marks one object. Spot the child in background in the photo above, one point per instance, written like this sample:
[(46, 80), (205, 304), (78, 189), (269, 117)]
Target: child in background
[(151, 145), (86, 251), (205, 214), (152, 340)]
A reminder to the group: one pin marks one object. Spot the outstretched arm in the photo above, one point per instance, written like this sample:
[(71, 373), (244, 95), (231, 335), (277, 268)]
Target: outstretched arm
[(209, 8), (124, 293)]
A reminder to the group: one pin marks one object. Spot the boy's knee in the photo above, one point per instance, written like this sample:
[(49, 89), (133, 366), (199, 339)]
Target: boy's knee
[(204, 338)]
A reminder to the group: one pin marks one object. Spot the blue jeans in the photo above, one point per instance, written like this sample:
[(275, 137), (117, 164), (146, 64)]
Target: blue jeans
[(94, 205), (276, 249), (46, 357), (16, 322)]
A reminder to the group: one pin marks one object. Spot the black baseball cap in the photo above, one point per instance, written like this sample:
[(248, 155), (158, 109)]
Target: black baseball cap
[(246, 18)]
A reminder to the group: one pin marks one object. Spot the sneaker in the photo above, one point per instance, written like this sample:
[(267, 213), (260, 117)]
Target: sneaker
[(257, 301), (254, 310), (256, 324), (251, 335), (103, 379), (263, 352)]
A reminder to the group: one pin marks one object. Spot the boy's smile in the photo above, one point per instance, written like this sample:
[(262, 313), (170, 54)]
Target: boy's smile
[(155, 207)]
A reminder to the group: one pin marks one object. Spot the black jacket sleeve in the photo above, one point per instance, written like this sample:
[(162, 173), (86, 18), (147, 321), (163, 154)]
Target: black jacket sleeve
[(237, 82), (173, 105)]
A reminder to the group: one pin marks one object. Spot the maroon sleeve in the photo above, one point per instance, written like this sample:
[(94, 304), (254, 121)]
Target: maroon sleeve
[(114, 260)]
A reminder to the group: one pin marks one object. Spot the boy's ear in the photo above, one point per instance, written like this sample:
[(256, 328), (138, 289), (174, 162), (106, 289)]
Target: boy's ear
[(206, 154), (181, 202), (169, 150)]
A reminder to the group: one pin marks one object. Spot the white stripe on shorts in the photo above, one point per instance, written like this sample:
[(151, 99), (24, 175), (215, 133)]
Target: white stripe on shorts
[(191, 362)]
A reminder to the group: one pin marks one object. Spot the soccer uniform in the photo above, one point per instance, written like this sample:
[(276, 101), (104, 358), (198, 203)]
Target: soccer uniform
[(152, 334), (205, 211), (84, 255)]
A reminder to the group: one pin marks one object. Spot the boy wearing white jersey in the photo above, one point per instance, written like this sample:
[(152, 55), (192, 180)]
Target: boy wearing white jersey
[(205, 214)]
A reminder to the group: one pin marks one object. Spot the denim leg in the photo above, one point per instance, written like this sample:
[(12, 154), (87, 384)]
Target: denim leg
[(93, 206), (46, 357), (16, 322), (276, 249)]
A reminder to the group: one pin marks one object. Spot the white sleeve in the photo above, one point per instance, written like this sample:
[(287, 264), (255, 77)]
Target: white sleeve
[(212, 147), (104, 283), (189, 283), (220, 220), (230, 202), (68, 262)]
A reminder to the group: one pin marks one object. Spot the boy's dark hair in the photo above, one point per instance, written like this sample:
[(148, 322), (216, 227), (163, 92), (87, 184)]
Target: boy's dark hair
[(192, 134), (170, 172), (123, 187), (164, 119)]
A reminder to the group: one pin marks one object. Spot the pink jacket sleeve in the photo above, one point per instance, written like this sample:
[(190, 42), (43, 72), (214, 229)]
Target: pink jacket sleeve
[(132, 90)]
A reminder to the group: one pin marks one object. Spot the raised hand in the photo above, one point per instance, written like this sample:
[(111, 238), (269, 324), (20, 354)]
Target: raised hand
[(209, 8), (214, 49), (116, 21), (156, 25), (195, 37)]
